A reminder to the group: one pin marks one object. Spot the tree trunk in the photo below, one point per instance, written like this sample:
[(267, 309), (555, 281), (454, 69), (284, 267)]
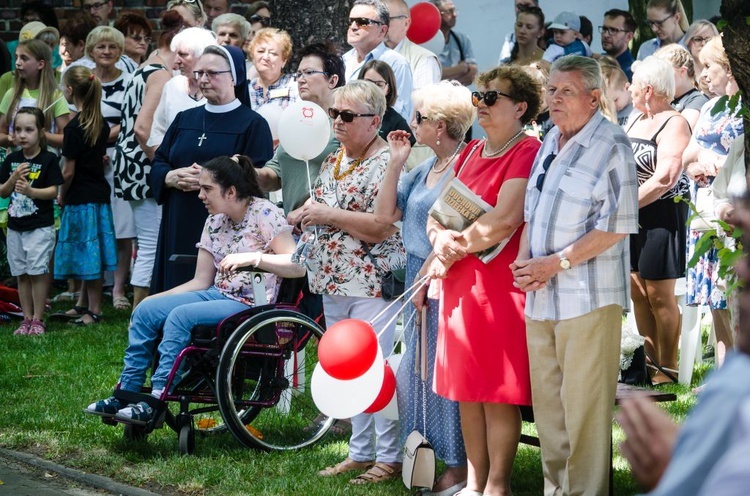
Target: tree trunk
[(312, 21), (736, 33)]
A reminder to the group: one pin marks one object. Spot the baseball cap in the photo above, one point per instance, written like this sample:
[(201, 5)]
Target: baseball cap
[(566, 20), (33, 29)]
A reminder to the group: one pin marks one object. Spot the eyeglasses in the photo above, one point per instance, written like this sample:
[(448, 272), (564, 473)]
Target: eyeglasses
[(419, 118), (545, 166), (346, 115), (489, 97), (138, 38), (363, 21), (611, 31), (210, 74), (93, 6), (449, 12), (379, 84), (701, 40), (658, 24), (306, 73), (263, 20)]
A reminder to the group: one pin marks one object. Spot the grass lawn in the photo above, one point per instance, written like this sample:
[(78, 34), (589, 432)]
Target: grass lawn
[(46, 381)]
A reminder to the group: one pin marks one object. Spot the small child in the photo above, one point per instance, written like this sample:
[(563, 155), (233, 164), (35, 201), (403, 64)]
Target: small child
[(566, 40), (30, 177), (617, 89), (86, 246)]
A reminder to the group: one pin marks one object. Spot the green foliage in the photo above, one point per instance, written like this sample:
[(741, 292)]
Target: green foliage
[(725, 239), (734, 103)]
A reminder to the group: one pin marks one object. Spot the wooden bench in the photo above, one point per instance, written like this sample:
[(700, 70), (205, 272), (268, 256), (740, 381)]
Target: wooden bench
[(624, 391)]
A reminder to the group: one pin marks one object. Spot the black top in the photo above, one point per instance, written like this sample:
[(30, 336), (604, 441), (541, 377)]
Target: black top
[(392, 121), (24, 213), (88, 184)]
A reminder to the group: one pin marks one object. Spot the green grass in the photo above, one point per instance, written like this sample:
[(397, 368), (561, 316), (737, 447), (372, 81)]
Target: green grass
[(46, 381)]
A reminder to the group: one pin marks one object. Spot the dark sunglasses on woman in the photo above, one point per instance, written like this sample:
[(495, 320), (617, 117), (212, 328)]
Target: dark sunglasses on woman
[(346, 115), (489, 97)]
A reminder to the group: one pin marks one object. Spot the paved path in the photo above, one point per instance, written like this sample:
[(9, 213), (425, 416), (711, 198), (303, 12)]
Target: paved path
[(22, 474)]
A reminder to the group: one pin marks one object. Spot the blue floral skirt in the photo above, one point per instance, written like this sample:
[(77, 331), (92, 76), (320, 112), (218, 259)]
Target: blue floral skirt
[(86, 242)]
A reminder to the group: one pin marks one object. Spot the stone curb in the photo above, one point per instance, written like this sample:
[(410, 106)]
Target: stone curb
[(93, 480)]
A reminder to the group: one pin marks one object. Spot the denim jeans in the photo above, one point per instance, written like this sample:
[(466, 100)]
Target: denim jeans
[(177, 315)]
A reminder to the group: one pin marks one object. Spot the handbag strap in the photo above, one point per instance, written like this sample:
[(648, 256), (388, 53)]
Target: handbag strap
[(471, 152), (420, 365), (367, 251)]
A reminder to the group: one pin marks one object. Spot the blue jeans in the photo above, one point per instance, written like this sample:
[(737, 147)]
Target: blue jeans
[(177, 315)]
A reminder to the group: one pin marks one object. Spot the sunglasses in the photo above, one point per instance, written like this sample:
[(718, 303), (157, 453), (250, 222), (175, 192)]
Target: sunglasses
[(138, 38), (545, 166), (363, 21), (489, 97), (419, 117), (346, 115), (263, 20)]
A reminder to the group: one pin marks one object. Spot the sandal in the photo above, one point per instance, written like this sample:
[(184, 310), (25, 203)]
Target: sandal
[(347, 465), (75, 313), (378, 473), (120, 303), (95, 319)]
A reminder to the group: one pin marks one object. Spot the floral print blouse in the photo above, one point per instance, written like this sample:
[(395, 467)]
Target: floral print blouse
[(342, 265), (221, 236), (717, 132)]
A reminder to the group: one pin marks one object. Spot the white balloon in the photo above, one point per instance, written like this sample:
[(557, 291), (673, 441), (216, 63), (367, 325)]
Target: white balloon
[(304, 130), (436, 44), (391, 409), (271, 113), (344, 399)]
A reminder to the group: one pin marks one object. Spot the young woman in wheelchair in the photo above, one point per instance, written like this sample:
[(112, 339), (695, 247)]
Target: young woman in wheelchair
[(243, 229)]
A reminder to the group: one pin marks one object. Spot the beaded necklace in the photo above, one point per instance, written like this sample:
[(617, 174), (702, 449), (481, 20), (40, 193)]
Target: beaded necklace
[(450, 159), (336, 168), (504, 147)]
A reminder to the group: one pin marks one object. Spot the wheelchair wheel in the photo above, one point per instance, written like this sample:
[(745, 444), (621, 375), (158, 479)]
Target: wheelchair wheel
[(186, 438), (265, 368)]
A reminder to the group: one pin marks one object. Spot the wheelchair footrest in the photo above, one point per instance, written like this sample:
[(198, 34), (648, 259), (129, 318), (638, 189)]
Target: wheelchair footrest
[(160, 408)]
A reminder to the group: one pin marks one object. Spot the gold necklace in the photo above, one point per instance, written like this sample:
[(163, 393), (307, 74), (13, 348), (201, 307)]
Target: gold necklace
[(336, 168), (504, 147), (455, 152)]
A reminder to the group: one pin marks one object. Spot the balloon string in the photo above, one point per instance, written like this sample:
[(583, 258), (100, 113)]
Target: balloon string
[(310, 190), (422, 281), (407, 325)]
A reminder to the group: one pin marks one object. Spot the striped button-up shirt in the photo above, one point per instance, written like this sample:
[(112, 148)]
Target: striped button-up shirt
[(590, 184)]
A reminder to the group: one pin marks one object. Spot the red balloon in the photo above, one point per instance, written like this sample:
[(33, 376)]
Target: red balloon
[(348, 349), (386, 391), (425, 22)]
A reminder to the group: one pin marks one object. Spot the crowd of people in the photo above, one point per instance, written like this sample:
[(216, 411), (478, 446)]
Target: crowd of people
[(167, 145)]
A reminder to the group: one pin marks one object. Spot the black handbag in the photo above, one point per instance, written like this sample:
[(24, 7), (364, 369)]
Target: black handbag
[(392, 284)]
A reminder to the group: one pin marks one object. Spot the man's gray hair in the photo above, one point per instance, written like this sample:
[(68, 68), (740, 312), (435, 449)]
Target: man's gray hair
[(380, 8), (588, 67), (235, 20)]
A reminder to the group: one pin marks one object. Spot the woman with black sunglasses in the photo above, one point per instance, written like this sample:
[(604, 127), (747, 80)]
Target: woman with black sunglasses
[(482, 360), (350, 255)]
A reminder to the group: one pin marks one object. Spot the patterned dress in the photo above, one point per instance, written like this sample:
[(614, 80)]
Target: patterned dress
[(715, 133), (442, 421), (343, 267), (132, 166)]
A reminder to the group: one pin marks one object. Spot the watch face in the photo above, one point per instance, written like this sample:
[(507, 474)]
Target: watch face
[(565, 263)]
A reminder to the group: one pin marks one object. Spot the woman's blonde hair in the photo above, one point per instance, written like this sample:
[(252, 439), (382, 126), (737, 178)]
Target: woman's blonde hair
[(713, 52), (447, 101), (194, 6), (365, 92), (48, 89), (273, 34), (697, 26), (86, 90), (678, 56), (104, 34)]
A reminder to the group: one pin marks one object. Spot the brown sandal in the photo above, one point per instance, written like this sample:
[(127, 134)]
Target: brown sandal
[(347, 465), (378, 473)]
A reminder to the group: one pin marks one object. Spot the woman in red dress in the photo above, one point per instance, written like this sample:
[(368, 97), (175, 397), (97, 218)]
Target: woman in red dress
[(482, 360)]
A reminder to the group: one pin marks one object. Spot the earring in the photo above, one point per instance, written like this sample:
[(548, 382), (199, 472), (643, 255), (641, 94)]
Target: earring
[(437, 143), (648, 108)]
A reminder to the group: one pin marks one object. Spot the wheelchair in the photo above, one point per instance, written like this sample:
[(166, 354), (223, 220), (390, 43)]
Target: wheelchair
[(249, 375)]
